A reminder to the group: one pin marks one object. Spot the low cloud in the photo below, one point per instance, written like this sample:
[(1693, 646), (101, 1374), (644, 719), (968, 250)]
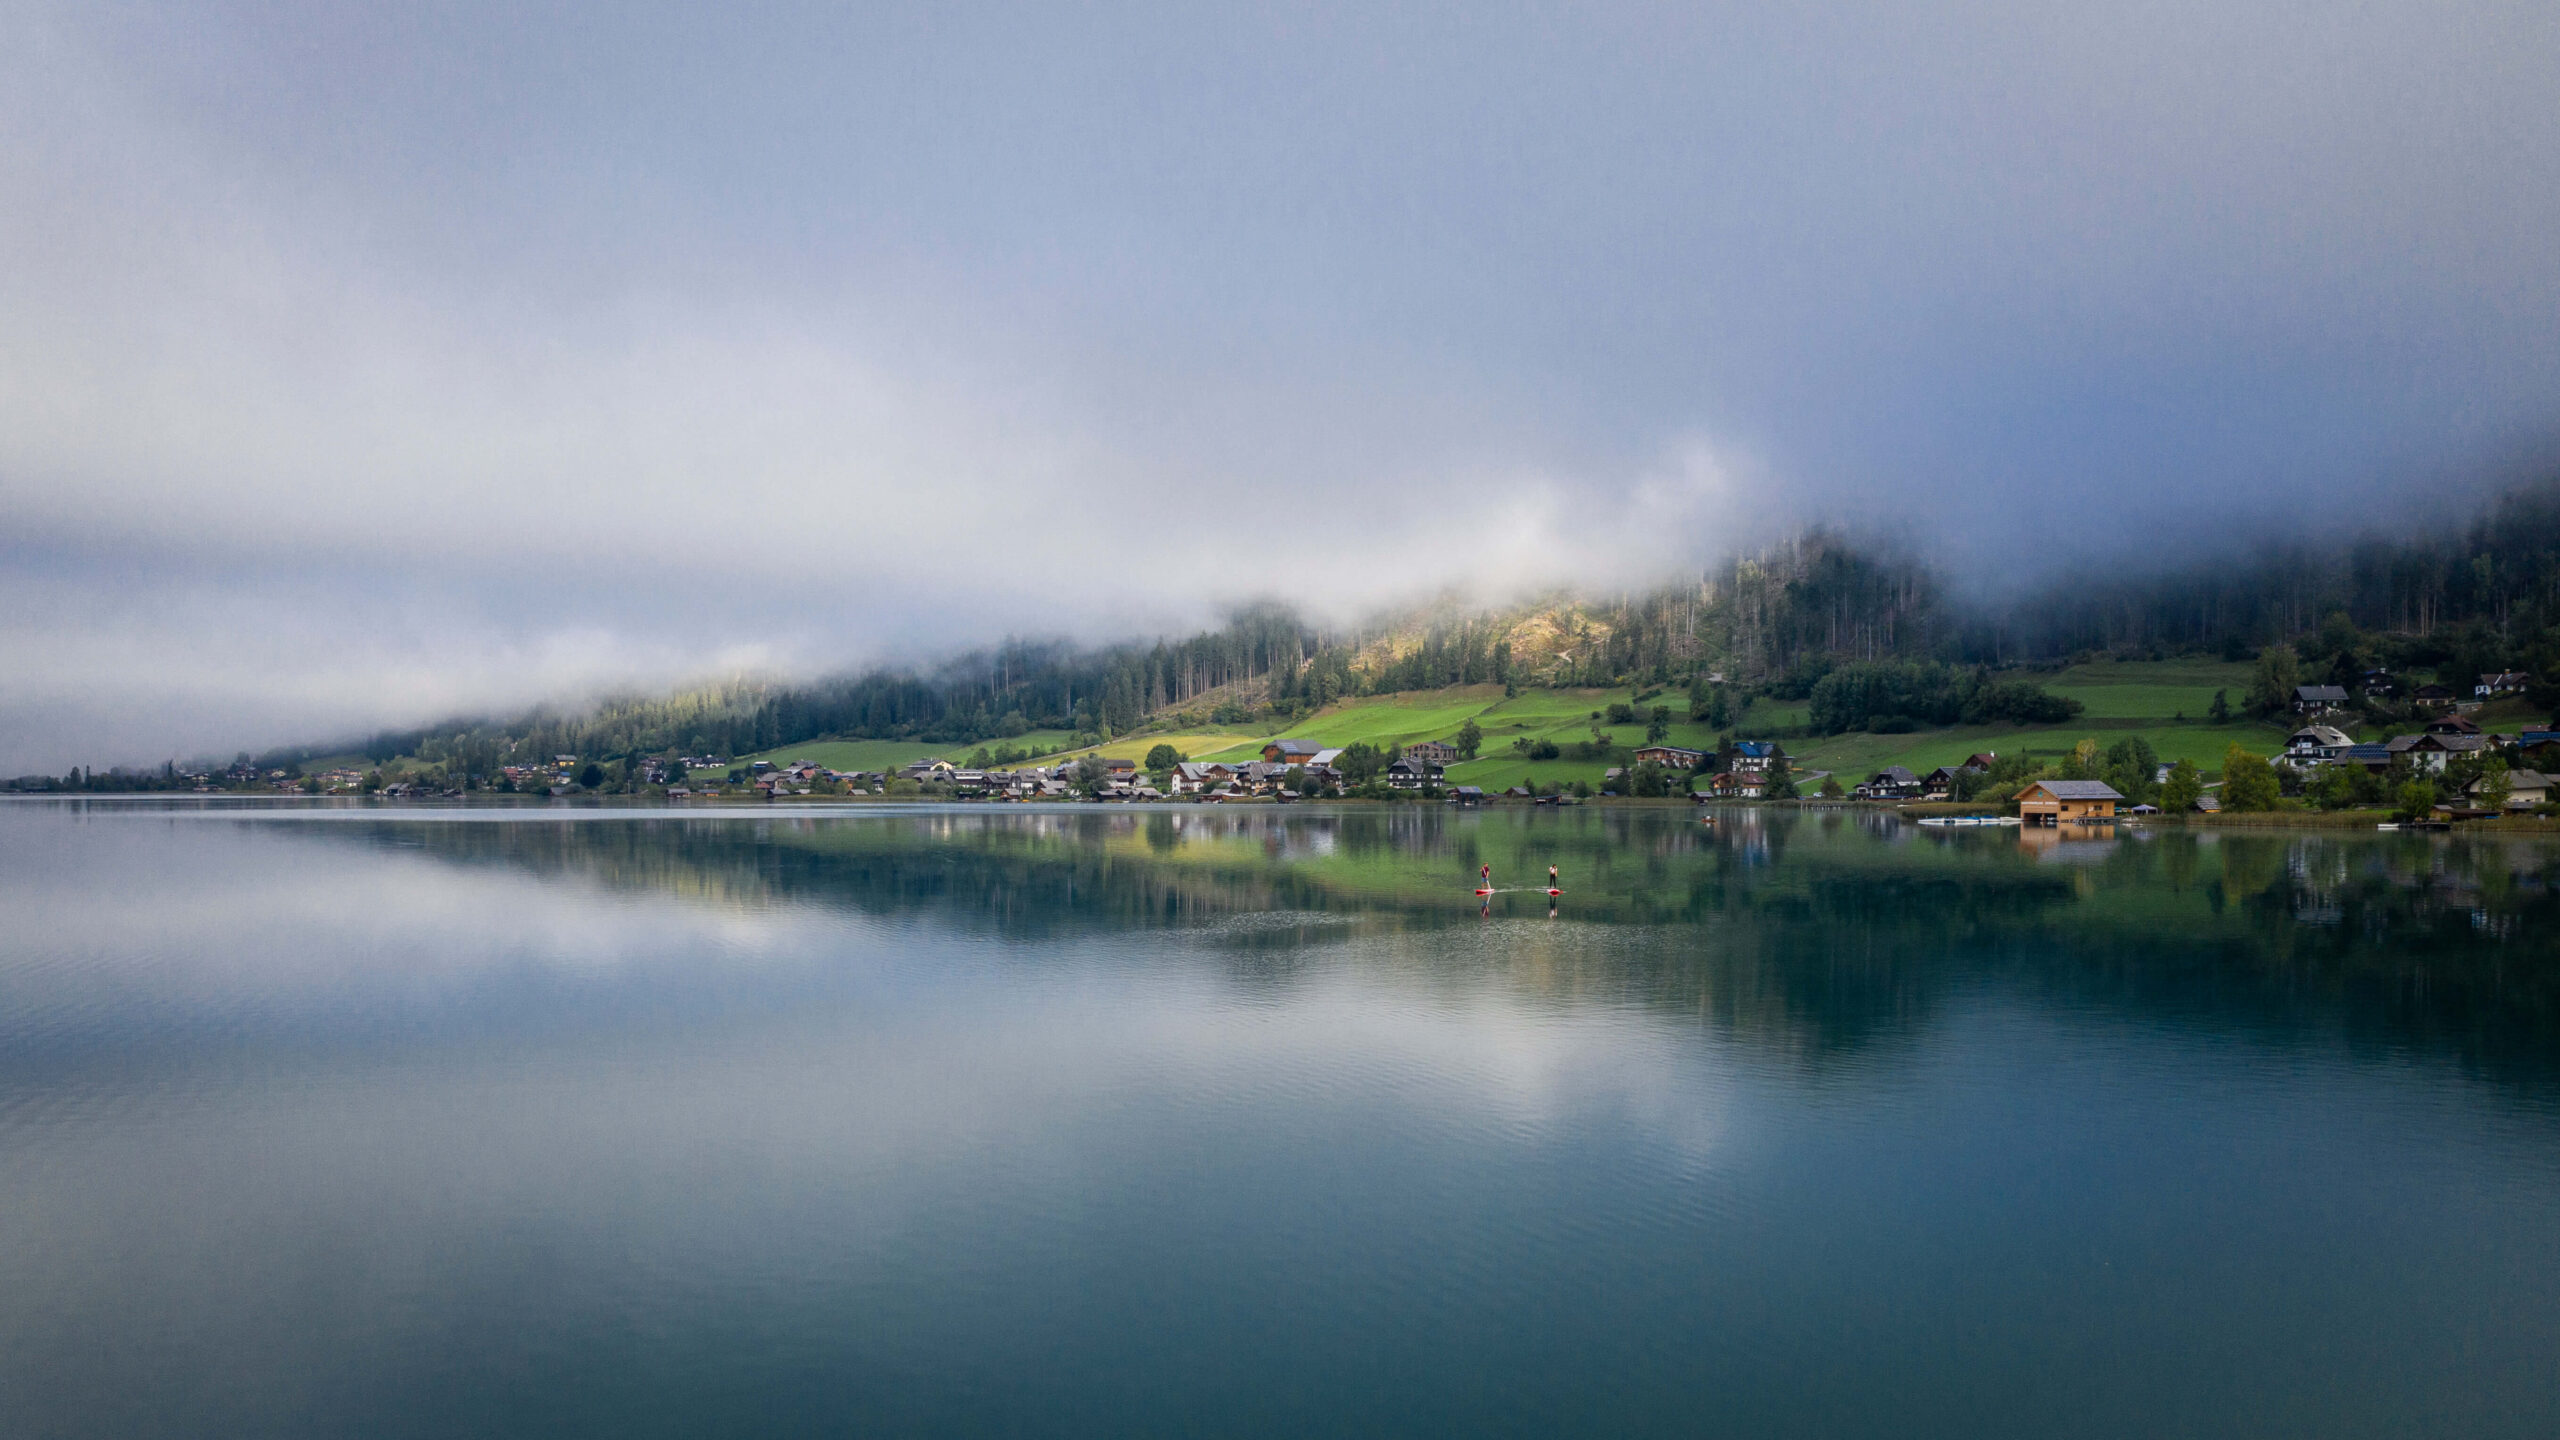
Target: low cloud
[(354, 370)]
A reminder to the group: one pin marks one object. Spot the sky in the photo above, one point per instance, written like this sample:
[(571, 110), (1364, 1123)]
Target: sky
[(365, 364)]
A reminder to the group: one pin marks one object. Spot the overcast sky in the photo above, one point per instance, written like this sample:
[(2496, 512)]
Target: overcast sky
[(358, 363)]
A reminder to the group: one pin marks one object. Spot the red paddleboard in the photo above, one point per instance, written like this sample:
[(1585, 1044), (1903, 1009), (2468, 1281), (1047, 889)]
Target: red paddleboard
[(1555, 892), (1484, 892)]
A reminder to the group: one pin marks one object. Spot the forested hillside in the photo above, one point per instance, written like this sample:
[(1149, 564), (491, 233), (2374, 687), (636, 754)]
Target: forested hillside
[(1870, 637)]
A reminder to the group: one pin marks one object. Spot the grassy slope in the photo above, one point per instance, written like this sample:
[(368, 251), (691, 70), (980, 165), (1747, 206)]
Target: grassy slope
[(2152, 690), (1854, 757), (2123, 699)]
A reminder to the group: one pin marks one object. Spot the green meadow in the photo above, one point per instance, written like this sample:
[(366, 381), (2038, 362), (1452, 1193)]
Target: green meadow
[(2153, 689), (2122, 699)]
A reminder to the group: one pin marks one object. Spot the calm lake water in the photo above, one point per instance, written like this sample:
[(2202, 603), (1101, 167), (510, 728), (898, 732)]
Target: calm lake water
[(976, 1121)]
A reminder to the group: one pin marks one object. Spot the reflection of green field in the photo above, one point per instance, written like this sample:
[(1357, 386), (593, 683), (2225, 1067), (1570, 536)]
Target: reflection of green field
[(1623, 865)]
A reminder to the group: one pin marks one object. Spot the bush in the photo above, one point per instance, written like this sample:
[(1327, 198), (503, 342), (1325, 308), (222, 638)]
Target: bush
[(2179, 793), (2248, 782), (2416, 801)]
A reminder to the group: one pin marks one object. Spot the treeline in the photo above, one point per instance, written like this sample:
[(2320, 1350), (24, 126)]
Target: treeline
[(1890, 697), (2497, 576), (993, 694)]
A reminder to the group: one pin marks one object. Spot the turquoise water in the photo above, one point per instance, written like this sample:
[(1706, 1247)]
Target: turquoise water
[(1097, 1121)]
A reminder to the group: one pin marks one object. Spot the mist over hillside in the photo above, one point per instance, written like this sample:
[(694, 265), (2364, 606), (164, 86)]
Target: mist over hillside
[(2473, 597)]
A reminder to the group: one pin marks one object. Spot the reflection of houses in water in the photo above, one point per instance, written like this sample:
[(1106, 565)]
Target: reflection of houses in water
[(2319, 872), (1746, 834), (2067, 845)]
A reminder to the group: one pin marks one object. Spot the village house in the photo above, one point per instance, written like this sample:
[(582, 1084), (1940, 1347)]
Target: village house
[(2452, 725), (2377, 684), (2056, 802), (2432, 697), (1409, 773), (2540, 749), (1291, 752), (1758, 757), (1736, 785), (2312, 699), (2505, 682), (2525, 789), (2430, 751), (1433, 752), (1940, 784), (2317, 745), (1894, 782), (1670, 757)]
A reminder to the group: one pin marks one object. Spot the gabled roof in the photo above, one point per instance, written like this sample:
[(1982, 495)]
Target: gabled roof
[(2323, 694), (2073, 790), (2323, 735), (1756, 749), (1296, 747), (1894, 775)]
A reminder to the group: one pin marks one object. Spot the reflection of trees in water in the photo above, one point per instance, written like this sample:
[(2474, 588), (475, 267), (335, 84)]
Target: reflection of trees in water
[(1820, 933)]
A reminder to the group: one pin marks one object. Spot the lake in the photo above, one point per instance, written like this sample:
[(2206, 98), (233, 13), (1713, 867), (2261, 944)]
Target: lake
[(1111, 1121)]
